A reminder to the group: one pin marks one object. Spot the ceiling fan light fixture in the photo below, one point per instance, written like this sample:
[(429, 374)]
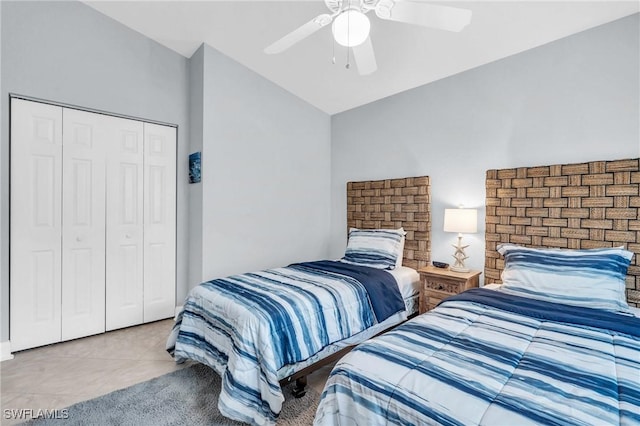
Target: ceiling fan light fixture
[(351, 28)]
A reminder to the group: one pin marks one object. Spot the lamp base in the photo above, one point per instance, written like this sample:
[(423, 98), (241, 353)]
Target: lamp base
[(460, 257)]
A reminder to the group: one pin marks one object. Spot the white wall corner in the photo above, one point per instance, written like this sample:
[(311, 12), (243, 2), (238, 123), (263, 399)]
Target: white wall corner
[(5, 351)]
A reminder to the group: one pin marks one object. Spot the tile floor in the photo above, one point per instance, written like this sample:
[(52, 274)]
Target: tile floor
[(59, 375), (56, 376)]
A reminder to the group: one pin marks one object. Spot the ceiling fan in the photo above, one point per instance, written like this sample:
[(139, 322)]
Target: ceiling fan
[(351, 26)]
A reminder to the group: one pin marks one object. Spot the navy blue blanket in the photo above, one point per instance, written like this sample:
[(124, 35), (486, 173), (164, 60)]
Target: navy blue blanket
[(382, 288), (558, 312)]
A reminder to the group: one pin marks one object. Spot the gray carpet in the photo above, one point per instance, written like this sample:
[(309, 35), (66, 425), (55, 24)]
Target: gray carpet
[(184, 397)]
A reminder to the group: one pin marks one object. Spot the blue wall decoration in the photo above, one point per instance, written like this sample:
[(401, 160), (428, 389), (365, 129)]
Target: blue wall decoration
[(194, 167)]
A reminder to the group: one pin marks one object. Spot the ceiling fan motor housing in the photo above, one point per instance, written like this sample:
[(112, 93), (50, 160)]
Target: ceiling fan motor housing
[(383, 8), (363, 6)]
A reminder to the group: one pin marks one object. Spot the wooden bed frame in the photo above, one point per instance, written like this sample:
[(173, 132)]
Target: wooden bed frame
[(577, 206), (391, 204)]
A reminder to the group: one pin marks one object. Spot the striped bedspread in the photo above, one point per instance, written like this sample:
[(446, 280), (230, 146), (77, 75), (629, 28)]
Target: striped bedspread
[(489, 358), (248, 326)]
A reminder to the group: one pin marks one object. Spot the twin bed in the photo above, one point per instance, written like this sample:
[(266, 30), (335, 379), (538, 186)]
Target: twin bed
[(556, 342), (264, 329), (501, 357)]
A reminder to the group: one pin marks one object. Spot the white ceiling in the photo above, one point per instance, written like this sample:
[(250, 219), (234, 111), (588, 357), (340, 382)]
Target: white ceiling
[(408, 56)]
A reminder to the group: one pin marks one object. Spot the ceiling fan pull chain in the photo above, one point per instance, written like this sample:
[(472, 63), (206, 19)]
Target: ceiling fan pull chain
[(333, 50), (348, 35), (348, 64)]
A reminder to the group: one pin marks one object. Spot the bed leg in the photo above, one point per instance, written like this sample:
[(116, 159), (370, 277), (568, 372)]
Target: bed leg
[(299, 390)]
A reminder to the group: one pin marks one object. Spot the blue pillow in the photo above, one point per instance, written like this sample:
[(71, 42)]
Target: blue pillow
[(376, 248), (593, 278)]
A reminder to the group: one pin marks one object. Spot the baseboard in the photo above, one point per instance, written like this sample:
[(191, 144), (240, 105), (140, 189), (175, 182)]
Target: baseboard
[(5, 351), (178, 310)]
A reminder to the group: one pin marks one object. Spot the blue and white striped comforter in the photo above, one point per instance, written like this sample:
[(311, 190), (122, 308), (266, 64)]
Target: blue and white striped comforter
[(484, 357), (248, 326)]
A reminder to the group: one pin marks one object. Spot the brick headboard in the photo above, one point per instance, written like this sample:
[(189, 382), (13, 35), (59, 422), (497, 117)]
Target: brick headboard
[(395, 203), (576, 206)]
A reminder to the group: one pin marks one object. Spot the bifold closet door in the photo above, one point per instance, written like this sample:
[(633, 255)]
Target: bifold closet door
[(36, 224), (125, 232), (93, 223), (159, 222), (85, 137)]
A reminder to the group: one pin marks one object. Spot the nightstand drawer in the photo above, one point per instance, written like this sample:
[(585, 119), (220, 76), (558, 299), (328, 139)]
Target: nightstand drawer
[(439, 284), (434, 297), (443, 284), (436, 294)]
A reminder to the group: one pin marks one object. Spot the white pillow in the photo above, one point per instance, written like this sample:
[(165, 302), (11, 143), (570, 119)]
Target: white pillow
[(593, 278), (376, 248)]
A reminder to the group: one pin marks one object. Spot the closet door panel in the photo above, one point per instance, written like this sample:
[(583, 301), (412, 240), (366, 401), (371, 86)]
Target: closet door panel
[(85, 137), (125, 232), (159, 222), (35, 260)]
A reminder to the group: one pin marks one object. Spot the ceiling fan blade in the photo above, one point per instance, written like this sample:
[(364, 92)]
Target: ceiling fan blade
[(425, 14), (365, 58), (298, 34)]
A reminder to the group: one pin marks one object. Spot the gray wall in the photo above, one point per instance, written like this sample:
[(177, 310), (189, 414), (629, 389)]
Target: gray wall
[(68, 52), (196, 118), (573, 100), (265, 195), (265, 173)]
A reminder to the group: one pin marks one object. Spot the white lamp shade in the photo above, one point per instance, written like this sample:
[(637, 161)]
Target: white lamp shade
[(351, 28), (464, 221)]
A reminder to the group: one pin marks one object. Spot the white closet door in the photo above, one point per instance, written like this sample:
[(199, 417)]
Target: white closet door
[(125, 233), (36, 173), (160, 222), (83, 223)]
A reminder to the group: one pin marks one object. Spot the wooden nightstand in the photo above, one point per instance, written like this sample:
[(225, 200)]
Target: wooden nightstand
[(437, 284)]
